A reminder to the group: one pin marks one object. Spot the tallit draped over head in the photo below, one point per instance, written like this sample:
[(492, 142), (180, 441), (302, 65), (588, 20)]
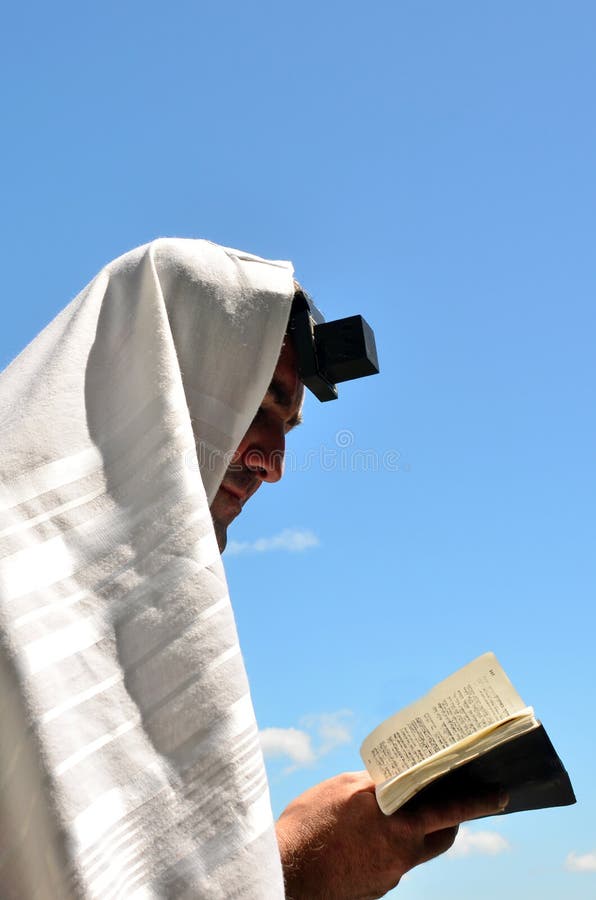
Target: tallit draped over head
[(130, 763)]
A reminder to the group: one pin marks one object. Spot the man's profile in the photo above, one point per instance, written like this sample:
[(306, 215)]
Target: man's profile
[(130, 761), (260, 455)]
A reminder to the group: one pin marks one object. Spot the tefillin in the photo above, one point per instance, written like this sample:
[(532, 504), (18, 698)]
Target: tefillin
[(330, 352)]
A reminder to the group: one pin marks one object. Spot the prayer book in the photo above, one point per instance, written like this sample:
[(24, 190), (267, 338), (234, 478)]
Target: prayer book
[(472, 731)]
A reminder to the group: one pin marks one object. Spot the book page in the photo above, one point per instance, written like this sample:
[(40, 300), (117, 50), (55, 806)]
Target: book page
[(472, 699), (396, 791)]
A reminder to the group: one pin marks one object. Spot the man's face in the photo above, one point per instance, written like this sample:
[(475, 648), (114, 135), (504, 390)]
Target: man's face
[(260, 455)]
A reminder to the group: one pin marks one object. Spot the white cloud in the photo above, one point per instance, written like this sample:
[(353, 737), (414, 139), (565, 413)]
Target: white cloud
[(330, 731), (295, 540), (478, 843), (583, 863), (288, 742)]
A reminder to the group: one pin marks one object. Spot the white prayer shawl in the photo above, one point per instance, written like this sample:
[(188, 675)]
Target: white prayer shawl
[(130, 764)]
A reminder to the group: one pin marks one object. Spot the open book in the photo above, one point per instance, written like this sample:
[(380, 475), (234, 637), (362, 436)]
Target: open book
[(471, 731)]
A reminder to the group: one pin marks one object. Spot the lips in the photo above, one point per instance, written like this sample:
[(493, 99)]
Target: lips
[(234, 492), (242, 492)]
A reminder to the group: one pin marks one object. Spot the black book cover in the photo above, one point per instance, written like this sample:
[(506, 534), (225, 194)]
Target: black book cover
[(527, 767)]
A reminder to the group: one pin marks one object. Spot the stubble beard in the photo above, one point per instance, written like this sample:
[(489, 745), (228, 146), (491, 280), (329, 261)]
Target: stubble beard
[(221, 534)]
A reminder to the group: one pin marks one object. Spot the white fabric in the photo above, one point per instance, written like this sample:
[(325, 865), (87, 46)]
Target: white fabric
[(129, 757)]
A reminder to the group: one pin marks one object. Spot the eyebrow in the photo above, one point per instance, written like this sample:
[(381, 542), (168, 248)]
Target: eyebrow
[(282, 398)]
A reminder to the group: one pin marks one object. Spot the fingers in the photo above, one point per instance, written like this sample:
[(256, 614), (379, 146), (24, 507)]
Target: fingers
[(450, 813), (361, 780), (359, 783), (412, 845), (438, 842)]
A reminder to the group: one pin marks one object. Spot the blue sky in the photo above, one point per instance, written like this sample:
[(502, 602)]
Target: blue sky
[(430, 165)]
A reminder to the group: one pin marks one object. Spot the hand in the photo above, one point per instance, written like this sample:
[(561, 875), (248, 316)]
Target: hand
[(336, 844)]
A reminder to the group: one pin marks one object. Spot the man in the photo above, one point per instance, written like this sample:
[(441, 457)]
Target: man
[(334, 841), (136, 425)]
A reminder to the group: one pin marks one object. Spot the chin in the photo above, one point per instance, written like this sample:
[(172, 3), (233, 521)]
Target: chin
[(221, 535)]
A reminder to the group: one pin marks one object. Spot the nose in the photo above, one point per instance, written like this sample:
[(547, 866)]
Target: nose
[(265, 456)]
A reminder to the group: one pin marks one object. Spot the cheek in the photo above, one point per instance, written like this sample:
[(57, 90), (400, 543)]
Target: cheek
[(244, 444), (238, 453)]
